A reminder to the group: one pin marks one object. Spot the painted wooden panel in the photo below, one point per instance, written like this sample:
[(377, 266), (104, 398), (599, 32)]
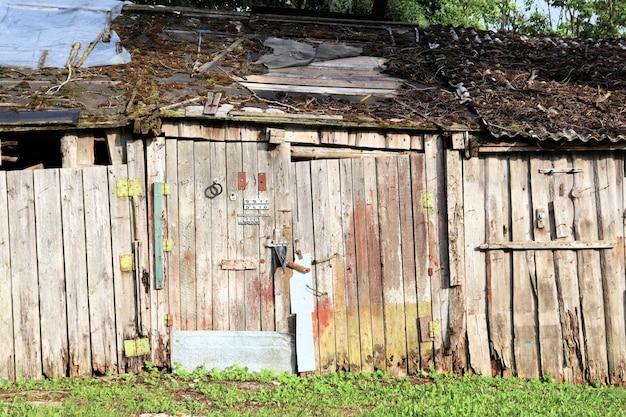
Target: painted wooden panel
[(347, 262), (24, 279), (254, 350), (303, 306), (391, 260), (52, 302)]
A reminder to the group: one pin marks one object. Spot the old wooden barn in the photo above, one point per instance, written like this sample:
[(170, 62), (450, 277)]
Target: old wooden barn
[(400, 198)]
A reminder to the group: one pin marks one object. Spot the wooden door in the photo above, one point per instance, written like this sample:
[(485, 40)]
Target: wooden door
[(549, 299)]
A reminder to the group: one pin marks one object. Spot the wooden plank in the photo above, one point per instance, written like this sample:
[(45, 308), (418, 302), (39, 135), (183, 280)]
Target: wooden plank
[(499, 280), (475, 266), (75, 258), (549, 245), (391, 259), (204, 225), (423, 359), (69, 149), (356, 91), (610, 175), (303, 237), (525, 341), (456, 259), (348, 263), (398, 140), (551, 349), (298, 80), (52, 300), (266, 229), (236, 283), (281, 159), (317, 152), (136, 165), (116, 144), (567, 274), (301, 135), (187, 235), (320, 189), (251, 238), (155, 169), (373, 272), (85, 155), (218, 230), (337, 264), (439, 275), (408, 263), (172, 230), (24, 280), (126, 313), (362, 266), (100, 270), (589, 272), (7, 363), (370, 139)]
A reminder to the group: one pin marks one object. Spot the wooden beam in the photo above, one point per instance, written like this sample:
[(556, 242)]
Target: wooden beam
[(552, 245), (314, 152)]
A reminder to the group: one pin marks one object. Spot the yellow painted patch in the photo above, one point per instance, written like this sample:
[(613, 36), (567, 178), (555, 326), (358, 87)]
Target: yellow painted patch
[(136, 347), (127, 262), (424, 309), (427, 202)]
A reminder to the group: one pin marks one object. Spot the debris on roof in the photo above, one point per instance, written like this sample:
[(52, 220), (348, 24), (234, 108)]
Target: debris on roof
[(194, 63)]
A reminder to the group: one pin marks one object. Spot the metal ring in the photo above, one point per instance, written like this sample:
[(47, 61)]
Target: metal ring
[(213, 190)]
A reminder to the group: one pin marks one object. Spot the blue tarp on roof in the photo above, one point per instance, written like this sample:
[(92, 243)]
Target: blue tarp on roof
[(36, 33)]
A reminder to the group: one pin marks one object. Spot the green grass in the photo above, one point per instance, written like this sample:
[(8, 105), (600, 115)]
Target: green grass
[(239, 393)]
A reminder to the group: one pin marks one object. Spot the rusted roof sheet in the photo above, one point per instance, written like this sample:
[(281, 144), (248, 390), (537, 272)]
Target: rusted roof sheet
[(441, 78)]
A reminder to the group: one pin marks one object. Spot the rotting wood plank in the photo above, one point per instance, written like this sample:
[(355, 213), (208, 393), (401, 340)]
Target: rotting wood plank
[(135, 157), (205, 263), (408, 264), (498, 276), (126, 323), (589, 273), (24, 280), (266, 228), (439, 276), (155, 158), (7, 363), (100, 270), (567, 274), (116, 144), (348, 262), (475, 266), (362, 265), (303, 237), (548, 245), (52, 300), (75, 258), (334, 136), (456, 259), (320, 188), (251, 238), (525, 338), (551, 349), (69, 148), (373, 272), (609, 180), (187, 235), (421, 207), (317, 152), (236, 283), (172, 233), (85, 154), (283, 231), (391, 259), (218, 228), (334, 222)]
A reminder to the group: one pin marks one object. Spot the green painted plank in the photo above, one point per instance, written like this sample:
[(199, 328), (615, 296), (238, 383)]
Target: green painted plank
[(159, 264)]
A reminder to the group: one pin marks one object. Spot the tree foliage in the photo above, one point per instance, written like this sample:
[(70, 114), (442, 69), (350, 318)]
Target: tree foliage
[(569, 18)]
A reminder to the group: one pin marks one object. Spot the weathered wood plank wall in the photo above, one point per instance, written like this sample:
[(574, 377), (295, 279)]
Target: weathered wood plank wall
[(69, 305), (552, 297)]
